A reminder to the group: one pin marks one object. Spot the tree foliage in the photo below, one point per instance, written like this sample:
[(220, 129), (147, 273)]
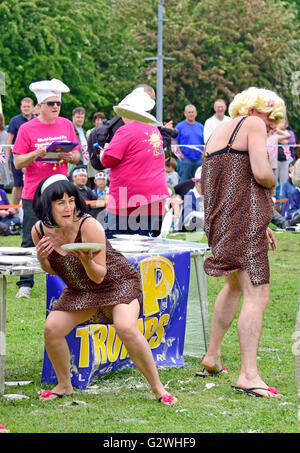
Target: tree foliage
[(78, 42), (98, 48), (222, 47)]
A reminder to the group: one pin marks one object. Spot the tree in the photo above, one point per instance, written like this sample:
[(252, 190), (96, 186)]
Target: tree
[(220, 48), (79, 42), (98, 48)]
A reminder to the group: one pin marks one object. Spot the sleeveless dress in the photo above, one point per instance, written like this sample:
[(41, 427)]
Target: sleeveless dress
[(237, 212), (120, 286)]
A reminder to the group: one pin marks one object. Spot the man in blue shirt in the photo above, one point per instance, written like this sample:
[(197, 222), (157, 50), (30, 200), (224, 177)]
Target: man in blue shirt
[(26, 108), (190, 132)]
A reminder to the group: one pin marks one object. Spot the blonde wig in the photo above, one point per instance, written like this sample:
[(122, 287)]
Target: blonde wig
[(263, 100)]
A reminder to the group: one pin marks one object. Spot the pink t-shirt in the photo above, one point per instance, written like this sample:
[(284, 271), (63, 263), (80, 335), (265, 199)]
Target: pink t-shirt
[(139, 178), (34, 133)]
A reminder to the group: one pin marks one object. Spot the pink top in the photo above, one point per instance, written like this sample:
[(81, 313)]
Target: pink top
[(272, 142), (137, 177), (34, 133)]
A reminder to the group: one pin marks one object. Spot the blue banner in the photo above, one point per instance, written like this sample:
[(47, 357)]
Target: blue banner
[(96, 349)]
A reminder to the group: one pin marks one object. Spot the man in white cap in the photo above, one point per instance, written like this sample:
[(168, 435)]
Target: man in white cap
[(30, 147), (80, 178)]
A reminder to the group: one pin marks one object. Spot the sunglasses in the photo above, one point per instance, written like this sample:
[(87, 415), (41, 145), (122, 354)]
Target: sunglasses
[(52, 103)]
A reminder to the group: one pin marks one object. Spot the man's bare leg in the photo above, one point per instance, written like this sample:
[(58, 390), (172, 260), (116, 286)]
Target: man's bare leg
[(249, 328), (224, 312), (17, 200), (16, 194)]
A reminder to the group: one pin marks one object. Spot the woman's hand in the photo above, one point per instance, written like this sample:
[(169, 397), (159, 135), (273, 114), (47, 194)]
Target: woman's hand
[(271, 239), (44, 247)]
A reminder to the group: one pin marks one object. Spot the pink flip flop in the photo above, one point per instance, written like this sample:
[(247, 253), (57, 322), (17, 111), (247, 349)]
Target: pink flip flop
[(167, 398), (46, 393), (3, 429), (251, 391)]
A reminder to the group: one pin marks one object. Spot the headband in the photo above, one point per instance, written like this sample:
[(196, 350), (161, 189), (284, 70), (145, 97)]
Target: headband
[(77, 171), (51, 180), (100, 175)]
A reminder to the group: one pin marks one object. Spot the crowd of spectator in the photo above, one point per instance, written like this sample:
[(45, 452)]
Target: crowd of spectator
[(185, 145)]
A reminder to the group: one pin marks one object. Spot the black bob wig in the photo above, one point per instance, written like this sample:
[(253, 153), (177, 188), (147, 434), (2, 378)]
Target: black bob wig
[(42, 202)]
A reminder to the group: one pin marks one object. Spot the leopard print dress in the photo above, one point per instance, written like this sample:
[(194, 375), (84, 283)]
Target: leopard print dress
[(237, 213), (121, 284)]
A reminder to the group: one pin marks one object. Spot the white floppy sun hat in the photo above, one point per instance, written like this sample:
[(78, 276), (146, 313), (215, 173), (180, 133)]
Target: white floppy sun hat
[(136, 106)]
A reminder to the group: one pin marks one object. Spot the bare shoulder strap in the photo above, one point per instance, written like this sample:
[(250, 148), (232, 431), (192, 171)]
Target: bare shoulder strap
[(78, 237), (40, 233), (235, 132)]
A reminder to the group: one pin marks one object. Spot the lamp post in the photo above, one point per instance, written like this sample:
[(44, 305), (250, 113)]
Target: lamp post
[(160, 62)]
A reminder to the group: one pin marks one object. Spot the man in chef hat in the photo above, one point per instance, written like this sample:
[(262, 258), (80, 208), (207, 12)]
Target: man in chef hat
[(30, 151)]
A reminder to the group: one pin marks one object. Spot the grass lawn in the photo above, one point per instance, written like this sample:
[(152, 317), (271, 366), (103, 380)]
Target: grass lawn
[(122, 403)]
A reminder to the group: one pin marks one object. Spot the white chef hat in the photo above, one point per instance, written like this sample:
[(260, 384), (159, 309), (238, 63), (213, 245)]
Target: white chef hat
[(136, 106), (47, 88)]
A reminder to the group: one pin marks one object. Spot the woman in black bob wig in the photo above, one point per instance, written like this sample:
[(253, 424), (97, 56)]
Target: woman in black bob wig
[(42, 203), (102, 286)]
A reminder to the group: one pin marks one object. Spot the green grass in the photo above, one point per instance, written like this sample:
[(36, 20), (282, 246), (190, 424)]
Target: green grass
[(124, 404)]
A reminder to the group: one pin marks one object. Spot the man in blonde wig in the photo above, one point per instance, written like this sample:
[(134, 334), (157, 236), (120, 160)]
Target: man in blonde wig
[(237, 181)]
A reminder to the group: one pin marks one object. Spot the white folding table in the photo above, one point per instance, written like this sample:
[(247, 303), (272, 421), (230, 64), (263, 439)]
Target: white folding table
[(197, 251)]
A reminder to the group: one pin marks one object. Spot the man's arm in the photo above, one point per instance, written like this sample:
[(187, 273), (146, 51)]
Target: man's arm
[(175, 143), (24, 160), (283, 136), (10, 138)]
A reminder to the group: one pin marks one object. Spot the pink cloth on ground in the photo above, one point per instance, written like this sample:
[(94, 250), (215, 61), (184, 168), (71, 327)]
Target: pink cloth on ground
[(34, 133), (140, 171)]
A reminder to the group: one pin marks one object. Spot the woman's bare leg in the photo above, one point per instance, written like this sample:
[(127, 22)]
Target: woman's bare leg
[(125, 318), (58, 325)]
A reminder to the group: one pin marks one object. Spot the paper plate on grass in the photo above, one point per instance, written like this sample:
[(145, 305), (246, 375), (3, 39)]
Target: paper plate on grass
[(86, 246)]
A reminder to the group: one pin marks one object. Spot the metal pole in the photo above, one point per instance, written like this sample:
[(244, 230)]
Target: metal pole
[(160, 64), (202, 291)]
